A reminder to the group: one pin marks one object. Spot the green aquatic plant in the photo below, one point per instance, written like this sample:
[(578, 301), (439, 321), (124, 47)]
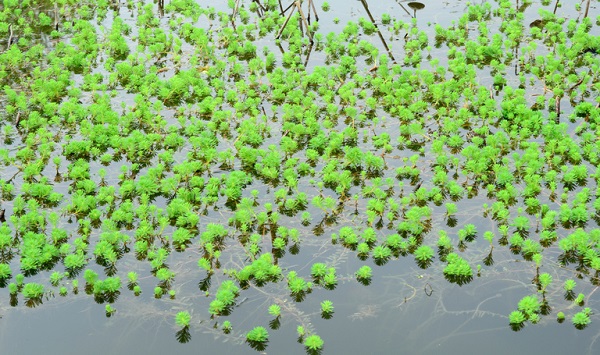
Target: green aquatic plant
[(544, 281), (517, 319), (275, 310), (444, 244), (297, 285), (458, 269), (55, 278), (226, 327), (318, 271), (569, 286), (348, 236), (424, 255), (381, 254), (385, 19), (182, 319), (468, 232), (581, 319), (364, 274), (529, 308), (5, 272), (529, 305), (261, 270), (363, 250), (450, 209), (258, 335), (109, 310), (313, 342), (580, 299), (165, 275), (229, 145), (224, 298), (326, 309), (108, 288), (306, 218), (132, 277), (33, 293), (330, 280), (205, 264), (13, 289), (529, 248), (489, 236)]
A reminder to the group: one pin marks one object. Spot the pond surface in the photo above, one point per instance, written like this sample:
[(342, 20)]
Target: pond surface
[(168, 160)]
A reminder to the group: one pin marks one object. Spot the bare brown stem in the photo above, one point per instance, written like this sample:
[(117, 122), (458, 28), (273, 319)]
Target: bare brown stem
[(587, 8)]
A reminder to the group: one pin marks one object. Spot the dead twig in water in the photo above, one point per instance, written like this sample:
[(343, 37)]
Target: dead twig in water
[(366, 6), (587, 8), (10, 35), (295, 5)]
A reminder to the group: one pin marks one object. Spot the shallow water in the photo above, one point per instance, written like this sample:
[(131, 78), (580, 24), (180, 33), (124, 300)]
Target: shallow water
[(405, 309)]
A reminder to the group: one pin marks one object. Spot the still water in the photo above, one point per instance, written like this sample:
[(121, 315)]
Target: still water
[(404, 310)]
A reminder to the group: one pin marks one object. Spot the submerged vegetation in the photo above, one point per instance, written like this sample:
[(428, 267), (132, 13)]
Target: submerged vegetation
[(137, 137)]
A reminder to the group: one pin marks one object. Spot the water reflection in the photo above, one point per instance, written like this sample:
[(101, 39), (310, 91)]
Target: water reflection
[(183, 335), (416, 6)]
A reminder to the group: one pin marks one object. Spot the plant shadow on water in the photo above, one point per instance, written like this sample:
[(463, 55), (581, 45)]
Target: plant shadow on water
[(263, 176)]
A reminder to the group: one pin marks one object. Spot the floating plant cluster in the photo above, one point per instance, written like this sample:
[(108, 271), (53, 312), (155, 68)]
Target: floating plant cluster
[(136, 137)]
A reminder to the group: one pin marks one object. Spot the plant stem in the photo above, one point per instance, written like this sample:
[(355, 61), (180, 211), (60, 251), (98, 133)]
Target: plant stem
[(9, 36), (378, 31), (587, 8)]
